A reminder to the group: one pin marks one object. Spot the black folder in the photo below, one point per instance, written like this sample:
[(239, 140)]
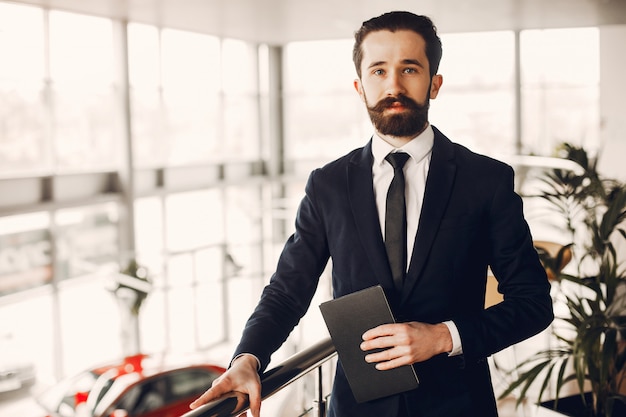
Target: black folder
[(347, 318)]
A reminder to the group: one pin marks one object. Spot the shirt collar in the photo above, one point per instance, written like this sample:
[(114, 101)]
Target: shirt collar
[(418, 147)]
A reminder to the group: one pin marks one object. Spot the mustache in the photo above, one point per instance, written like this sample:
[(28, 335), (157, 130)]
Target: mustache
[(388, 102)]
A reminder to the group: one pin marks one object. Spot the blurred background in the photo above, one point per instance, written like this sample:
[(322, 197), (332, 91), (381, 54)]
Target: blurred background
[(169, 141)]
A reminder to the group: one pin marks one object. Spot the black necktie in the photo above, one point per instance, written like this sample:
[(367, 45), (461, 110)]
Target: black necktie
[(395, 220)]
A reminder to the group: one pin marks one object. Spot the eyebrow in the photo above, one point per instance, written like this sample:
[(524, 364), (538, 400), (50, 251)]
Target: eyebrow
[(404, 61), (412, 62)]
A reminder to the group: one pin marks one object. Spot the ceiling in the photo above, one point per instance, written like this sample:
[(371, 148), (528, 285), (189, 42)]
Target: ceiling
[(281, 21)]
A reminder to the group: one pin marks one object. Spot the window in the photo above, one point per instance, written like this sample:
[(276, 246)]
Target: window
[(560, 89), (25, 252), (153, 396), (190, 382), (476, 104), (194, 219), (87, 239), (190, 65), (146, 102), (324, 117), (83, 103), (24, 146), (240, 135)]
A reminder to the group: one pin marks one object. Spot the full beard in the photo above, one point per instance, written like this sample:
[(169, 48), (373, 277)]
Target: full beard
[(408, 123)]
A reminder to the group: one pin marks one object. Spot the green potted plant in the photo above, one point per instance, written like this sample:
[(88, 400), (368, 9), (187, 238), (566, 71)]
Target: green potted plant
[(590, 349)]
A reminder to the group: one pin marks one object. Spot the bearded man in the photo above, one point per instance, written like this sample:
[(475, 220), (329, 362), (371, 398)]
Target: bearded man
[(459, 215)]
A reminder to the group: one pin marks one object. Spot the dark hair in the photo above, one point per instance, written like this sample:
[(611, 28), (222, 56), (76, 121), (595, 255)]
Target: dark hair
[(394, 21)]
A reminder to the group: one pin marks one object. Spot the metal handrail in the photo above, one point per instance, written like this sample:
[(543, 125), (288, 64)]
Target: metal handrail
[(272, 381)]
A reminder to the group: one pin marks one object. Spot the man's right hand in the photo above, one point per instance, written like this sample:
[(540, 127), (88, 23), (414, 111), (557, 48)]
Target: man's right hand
[(242, 376)]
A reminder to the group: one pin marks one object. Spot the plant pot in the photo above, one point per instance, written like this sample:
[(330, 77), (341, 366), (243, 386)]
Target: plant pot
[(572, 406)]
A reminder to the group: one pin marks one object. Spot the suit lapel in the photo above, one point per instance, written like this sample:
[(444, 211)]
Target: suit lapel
[(436, 196), (363, 206)]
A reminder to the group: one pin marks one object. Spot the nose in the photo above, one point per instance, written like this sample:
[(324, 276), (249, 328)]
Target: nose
[(394, 85)]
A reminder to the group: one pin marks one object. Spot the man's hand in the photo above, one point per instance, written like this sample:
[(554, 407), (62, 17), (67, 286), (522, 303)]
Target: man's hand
[(242, 377), (405, 343)]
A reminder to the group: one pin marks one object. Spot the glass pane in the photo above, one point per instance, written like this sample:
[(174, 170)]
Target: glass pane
[(209, 265), (313, 95), (25, 252), (21, 42), (153, 338), (482, 121), (87, 240), (86, 136), (345, 125), (191, 85), (242, 296), (194, 220), (241, 139), (301, 77), (81, 49), (464, 64), (556, 115), (209, 302), (148, 127), (562, 56), (191, 382), (143, 55), (190, 61), (181, 319), (239, 59), (180, 270), (475, 106), (147, 116), (82, 70), (192, 125), (149, 234), (243, 214), (560, 89), (244, 227), (30, 338), (90, 318), (245, 261), (23, 138)]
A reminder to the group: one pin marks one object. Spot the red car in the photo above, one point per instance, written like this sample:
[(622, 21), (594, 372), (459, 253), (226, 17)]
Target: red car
[(139, 386)]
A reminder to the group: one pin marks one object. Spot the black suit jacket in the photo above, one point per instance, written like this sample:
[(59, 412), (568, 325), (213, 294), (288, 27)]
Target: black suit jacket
[(471, 219)]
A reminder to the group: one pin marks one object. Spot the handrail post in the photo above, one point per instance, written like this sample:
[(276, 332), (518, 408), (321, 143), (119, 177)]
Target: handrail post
[(319, 404)]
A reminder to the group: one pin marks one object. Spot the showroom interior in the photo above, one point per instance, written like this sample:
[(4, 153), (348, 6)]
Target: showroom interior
[(170, 141)]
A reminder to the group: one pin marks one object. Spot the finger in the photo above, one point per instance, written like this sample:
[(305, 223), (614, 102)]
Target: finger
[(253, 388), (390, 358), (208, 396), (255, 403), (383, 342), (394, 363), (379, 331), (381, 356)]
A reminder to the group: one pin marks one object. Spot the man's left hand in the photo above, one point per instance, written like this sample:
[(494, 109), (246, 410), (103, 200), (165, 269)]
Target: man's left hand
[(405, 343)]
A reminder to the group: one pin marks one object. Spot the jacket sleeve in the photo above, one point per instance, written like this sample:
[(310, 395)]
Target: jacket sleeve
[(291, 288), (527, 306)]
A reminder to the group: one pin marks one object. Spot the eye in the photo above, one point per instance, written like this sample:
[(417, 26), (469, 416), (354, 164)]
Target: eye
[(378, 72), (410, 71)]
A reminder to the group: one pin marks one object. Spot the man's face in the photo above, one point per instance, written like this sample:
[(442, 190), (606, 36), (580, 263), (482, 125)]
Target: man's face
[(395, 82)]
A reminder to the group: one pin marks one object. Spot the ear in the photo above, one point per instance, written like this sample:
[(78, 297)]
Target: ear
[(359, 89), (435, 85)]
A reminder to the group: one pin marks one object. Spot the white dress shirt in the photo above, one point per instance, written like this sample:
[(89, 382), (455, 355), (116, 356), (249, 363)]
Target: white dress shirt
[(415, 173)]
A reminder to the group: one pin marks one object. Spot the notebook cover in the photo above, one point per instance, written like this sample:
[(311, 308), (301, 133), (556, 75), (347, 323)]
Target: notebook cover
[(347, 318)]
